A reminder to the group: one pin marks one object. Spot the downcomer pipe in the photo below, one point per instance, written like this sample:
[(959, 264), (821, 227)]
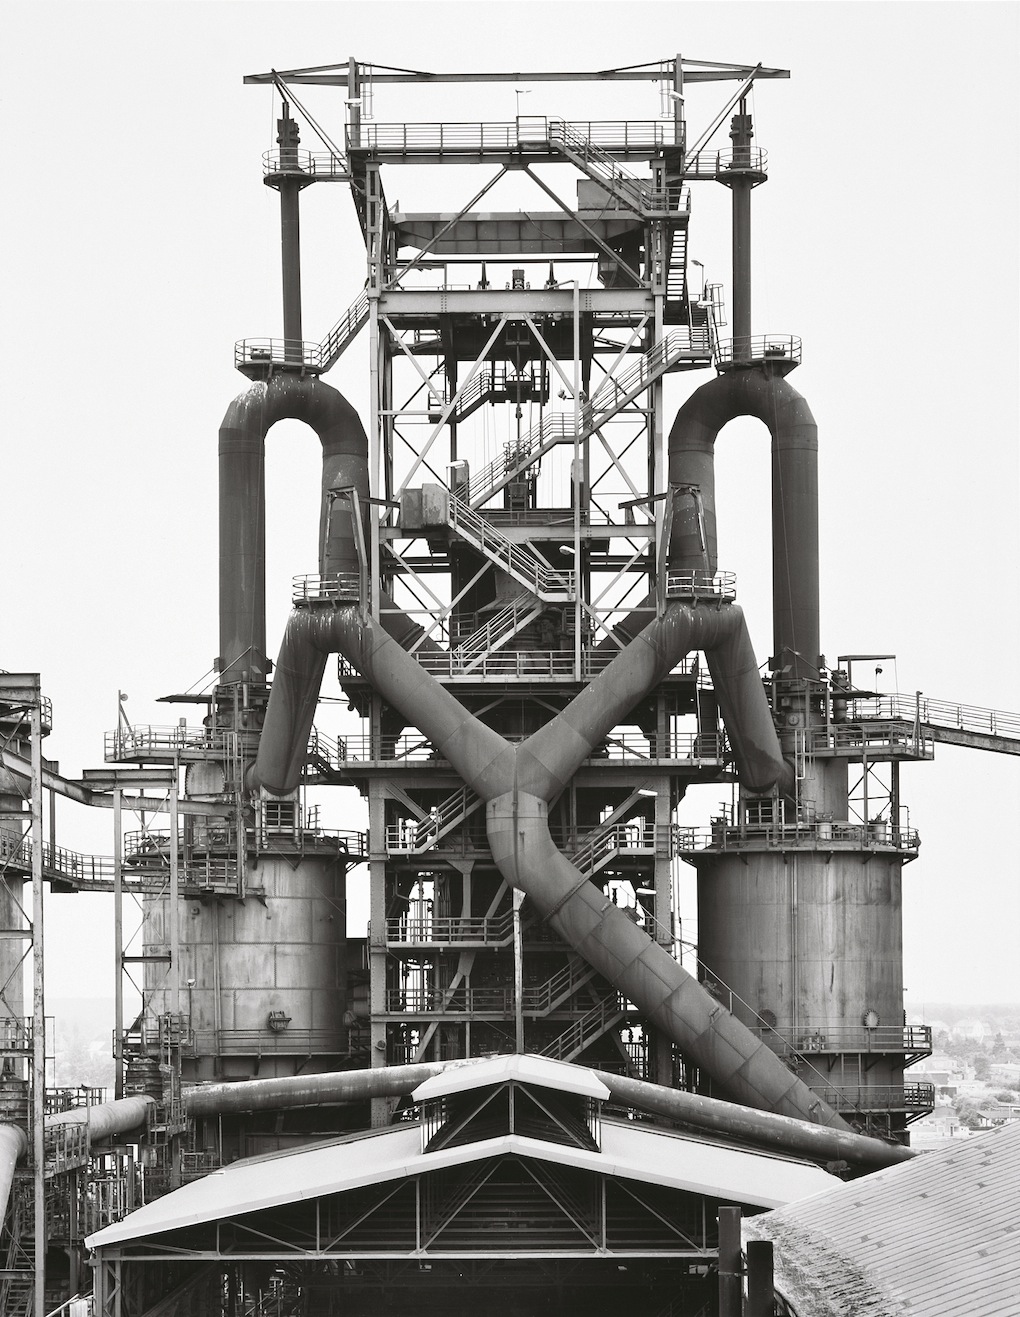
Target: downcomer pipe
[(518, 783), (763, 1128), (242, 500), (757, 391)]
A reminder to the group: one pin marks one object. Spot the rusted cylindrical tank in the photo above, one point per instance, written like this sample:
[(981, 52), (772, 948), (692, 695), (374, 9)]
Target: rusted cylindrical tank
[(262, 978), (810, 940)]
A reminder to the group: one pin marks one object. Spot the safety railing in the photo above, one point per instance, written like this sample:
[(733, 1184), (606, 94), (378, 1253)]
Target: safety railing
[(152, 847), (882, 1039), (711, 164), (314, 164), (616, 390), (21, 714), (449, 929), (139, 740), (495, 382), (625, 135), (499, 628), (523, 665), (408, 748), (701, 585), (875, 738), (938, 713), (554, 428), (810, 836), (277, 352), (707, 747), (339, 588), (267, 1042), (526, 566), (614, 394), (81, 1305), (635, 837), (580, 1033), (343, 332), (759, 349), (460, 1000), (881, 1097)]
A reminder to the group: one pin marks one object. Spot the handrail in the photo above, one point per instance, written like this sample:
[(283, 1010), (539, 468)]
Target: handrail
[(710, 164), (500, 627), (451, 928), (873, 735), (289, 352), (881, 1097), (820, 835), (701, 585), (635, 835), (339, 587), (536, 573), (315, 164), (759, 348), (277, 352), (848, 1038), (530, 664), (936, 713), (621, 134), (579, 1033), (79, 1305)]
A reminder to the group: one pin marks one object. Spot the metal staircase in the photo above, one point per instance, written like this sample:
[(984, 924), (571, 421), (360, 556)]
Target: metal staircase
[(601, 167), (496, 383), (17, 1278), (520, 562), (676, 273), (604, 844), (579, 1034), (344, 332), (612, 396), (497, 631), (542, 998), (443, 819)]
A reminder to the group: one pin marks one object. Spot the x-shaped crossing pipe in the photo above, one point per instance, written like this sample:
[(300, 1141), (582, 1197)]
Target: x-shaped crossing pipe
[(518, 783)]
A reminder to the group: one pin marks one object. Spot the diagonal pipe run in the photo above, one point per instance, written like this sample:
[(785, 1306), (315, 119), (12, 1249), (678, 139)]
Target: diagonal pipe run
[(518, 782)]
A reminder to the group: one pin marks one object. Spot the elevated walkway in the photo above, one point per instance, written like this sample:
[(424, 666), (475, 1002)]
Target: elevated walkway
[(523, 137), (941, 720), (257, 358)]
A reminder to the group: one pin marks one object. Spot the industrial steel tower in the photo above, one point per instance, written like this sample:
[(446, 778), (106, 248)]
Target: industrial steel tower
[(518, 572)]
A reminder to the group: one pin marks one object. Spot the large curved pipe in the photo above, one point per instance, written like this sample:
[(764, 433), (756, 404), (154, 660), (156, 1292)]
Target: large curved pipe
[(13, 1146), (518, 783), (762, 1128), (243, 503), (104, 1120), (760, 392)]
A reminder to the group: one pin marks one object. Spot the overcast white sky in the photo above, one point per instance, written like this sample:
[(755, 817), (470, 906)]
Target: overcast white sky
[(139, 242)]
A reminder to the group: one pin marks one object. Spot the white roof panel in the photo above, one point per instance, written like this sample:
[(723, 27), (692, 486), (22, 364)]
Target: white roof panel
[(630, 1151), (537, 1070)]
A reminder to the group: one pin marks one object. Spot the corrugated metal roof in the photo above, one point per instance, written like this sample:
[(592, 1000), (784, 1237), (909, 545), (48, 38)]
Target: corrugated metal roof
[(629, 1151), (938, 1236)]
